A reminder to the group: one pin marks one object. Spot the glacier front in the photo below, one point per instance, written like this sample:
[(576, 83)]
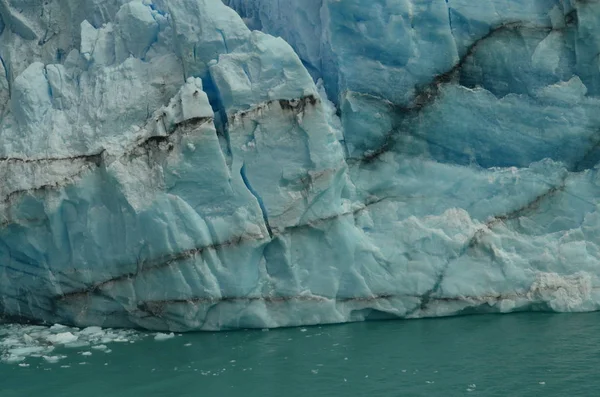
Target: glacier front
[(220, 164)]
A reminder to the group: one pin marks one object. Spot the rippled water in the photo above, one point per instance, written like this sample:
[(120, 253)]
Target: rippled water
[(510, 355)]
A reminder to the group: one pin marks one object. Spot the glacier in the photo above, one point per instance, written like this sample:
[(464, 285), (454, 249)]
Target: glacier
[(220, 164)]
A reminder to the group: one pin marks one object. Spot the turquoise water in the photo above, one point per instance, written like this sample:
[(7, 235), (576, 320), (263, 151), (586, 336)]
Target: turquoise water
[(495, 355)]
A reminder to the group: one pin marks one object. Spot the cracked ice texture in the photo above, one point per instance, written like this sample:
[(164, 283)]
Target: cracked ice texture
[(165, 167)]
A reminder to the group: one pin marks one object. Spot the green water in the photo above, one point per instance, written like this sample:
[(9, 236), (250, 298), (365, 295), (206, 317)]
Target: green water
[(510, 355)]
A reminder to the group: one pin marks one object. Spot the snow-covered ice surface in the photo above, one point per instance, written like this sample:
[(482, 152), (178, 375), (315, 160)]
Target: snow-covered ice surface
[(164, 166)]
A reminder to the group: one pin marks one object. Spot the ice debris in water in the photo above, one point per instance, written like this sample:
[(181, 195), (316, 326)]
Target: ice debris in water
[(19, 342), (62, 338), (160, 336), (53, 359)]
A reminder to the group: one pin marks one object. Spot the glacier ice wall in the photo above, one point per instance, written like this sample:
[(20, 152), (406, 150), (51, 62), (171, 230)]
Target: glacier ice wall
[(173, 165)]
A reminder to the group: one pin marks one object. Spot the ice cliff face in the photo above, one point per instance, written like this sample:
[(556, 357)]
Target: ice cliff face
[(165, 167)]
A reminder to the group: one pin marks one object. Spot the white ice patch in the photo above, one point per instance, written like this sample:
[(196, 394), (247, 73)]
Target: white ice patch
[(62, 338), (53, 359), (160, 336), (562, 293), (19, 342)]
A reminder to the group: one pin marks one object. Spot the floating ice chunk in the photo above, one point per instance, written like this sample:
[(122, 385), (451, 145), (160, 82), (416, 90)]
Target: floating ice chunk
[(53, 359), (77, 344), (61, 338), (27, 338), (89, 331), (11, 359), (27, 351), (160, 336)]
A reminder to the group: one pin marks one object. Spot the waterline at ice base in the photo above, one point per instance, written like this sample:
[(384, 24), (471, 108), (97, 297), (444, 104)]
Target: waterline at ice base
[(206, 165)]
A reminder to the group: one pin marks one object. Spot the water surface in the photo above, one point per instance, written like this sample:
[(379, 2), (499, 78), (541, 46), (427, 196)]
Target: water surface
[(491, 355)]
